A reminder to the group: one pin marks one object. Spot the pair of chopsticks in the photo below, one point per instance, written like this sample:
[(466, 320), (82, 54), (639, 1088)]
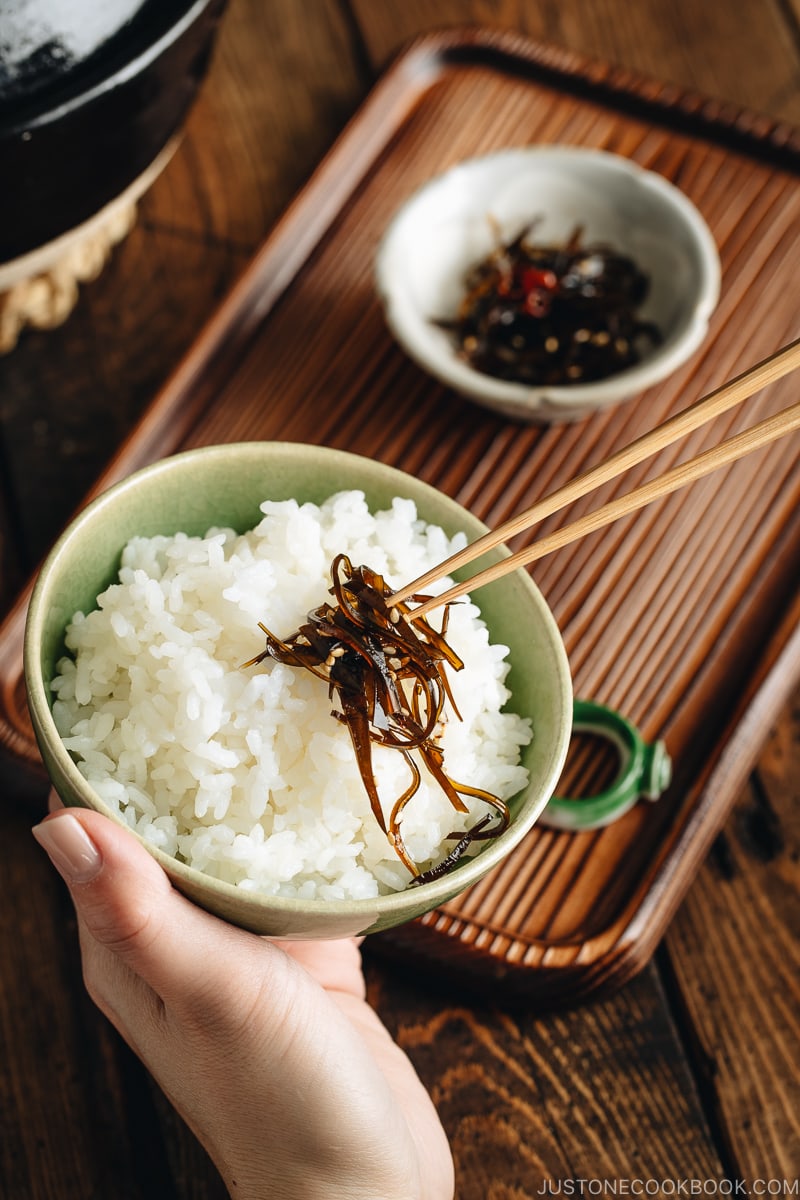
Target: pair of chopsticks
[(704, 410)]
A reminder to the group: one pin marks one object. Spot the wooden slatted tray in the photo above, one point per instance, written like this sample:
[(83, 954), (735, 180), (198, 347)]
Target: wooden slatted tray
[(684, 616)]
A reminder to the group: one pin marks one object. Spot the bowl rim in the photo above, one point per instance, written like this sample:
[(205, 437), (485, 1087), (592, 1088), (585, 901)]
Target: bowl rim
[(441, 362), (371, 909)]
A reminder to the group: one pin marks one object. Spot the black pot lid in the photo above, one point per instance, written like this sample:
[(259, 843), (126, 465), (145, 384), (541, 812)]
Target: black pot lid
[(44, 42)]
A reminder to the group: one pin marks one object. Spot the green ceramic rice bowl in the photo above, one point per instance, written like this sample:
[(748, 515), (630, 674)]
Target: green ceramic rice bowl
[(224, 486)]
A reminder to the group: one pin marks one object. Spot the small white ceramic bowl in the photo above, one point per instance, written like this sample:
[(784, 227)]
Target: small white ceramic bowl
[(453, 222)]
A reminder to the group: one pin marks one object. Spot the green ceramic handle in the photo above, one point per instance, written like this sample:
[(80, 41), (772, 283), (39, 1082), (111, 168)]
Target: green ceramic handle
[(644, 770)]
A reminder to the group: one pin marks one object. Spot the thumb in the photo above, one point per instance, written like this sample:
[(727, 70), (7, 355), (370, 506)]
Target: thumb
[(127, 905)]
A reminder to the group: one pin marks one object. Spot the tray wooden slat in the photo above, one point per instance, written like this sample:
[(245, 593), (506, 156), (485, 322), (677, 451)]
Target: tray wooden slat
[(683, 616)]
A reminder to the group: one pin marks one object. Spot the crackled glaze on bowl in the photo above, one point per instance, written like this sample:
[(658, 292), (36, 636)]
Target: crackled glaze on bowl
[(223, 485)]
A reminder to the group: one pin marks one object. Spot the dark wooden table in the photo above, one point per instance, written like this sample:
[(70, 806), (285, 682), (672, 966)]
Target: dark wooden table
[(686, 1077)]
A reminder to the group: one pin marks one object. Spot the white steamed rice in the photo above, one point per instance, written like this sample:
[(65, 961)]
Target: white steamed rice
[(243, 773)]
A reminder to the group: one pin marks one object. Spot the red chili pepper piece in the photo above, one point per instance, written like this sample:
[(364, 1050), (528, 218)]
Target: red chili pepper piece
[(537, 303), (533, 279)]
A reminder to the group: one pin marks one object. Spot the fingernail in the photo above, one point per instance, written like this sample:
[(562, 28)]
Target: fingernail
[(71, 850)]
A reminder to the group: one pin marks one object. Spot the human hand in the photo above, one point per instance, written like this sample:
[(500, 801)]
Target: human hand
[(268, 1050)]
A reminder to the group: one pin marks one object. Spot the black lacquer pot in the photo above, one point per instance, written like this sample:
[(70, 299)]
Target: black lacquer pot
[(91, 95)]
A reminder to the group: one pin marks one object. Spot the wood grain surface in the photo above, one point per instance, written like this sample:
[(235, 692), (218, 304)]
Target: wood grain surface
[(690, 1072)]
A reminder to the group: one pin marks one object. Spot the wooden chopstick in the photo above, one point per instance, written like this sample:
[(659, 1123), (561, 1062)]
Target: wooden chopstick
[(722, 455), (717, 402)]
